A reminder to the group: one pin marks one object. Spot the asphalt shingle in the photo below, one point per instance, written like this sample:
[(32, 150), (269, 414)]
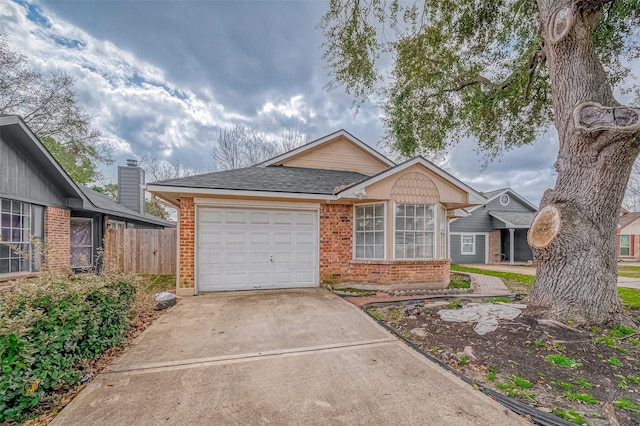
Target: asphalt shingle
[(271, 179)]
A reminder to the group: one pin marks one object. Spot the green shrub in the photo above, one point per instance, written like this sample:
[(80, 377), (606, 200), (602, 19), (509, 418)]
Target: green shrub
[(49, 325)]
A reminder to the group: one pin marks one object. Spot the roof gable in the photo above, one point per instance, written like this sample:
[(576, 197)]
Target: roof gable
[(337, 151), (441, 176), (493, 200)]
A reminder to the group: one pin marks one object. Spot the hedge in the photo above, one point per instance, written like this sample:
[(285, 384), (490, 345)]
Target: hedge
[(49, 326)]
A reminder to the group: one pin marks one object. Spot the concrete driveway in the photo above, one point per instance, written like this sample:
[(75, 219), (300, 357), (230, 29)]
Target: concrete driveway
[(295, 357)]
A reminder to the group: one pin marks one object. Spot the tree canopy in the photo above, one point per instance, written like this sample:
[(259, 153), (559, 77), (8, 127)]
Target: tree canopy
[(455, 69), (48, 104)]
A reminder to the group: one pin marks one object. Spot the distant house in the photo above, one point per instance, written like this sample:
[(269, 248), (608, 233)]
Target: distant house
[(628, 235), (493, 232), (39, 202)]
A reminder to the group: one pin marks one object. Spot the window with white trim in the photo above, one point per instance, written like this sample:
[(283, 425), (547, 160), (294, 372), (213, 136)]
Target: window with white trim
[(468, 244), (369, 231), (443, 233), (20, 227), (414, 231), (625, 245)]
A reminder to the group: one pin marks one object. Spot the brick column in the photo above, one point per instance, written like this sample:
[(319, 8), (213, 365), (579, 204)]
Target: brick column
[(186, 243), (336, 248), (57, 238), (494, 246)]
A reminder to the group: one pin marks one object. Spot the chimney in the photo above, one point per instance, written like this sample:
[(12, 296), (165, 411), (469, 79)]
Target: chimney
[(130, 186)]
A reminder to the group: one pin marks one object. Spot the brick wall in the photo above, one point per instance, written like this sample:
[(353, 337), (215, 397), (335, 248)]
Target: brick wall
[(57, 235), (336, 256), (494, 246), (435, 273), (336, 249), (186, 243)]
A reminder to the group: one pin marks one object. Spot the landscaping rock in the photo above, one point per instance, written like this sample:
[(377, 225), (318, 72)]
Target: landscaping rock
[(419, 332), (164, 300)]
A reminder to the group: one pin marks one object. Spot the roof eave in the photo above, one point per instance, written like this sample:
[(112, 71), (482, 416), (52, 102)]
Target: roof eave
[(159, 189)]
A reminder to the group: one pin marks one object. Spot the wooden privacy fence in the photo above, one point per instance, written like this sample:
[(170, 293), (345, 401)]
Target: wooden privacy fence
[(140, 251)]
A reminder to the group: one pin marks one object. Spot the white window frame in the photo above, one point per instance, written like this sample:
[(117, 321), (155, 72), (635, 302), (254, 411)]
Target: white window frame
[(443, 223), (628, 246), (91, 260), (116, 224), (462, 244), (24, 244), (384, 231), (434, 231)]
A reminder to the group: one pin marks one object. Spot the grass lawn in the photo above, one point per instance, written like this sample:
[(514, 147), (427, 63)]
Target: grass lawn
[(630, 297), (516, 283), (629, 271)]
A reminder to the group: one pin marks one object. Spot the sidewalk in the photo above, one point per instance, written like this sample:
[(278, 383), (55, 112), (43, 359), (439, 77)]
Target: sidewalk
[(530, 270)]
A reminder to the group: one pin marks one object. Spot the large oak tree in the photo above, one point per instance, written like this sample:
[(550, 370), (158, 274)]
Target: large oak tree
[(500, 72)]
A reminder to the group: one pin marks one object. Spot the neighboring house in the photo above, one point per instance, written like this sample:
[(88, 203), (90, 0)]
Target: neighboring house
[(628, 235), (331, 211), (40, 203), (493, 232)]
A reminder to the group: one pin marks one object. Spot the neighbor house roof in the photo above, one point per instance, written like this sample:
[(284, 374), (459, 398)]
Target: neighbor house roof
[(514, 219), (492, 195), (627, 219), (80, 198), (269, 179), (102, 203)]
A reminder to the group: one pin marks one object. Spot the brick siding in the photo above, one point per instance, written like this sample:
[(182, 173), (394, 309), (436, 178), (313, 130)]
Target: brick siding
[(336, 256), (494, 246), (433, 272), (57, 238), (336, 248), (186, 243)]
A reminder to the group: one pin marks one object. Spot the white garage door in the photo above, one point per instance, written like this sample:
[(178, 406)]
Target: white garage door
[(245, 249)]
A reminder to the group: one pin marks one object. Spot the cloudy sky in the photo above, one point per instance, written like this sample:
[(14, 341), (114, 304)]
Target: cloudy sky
[(162, 77)]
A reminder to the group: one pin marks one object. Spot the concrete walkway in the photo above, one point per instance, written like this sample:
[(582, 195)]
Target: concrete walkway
[(294, 357)]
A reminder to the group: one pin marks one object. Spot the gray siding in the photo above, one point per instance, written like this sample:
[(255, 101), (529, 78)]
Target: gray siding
[(456, 252), (21, 179), (130, 192), (480, 221)]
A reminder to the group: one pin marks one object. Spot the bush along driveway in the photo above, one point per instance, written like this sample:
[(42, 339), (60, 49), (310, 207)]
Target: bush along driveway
[(53, 330)]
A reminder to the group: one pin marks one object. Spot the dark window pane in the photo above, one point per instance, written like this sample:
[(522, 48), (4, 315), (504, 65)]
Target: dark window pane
[(14, 265), (368, 238), (359, 238), (379, 238), (379, 224), (399, 223), (379, 252), (400, 209), (368, 211), (420, 210), (380, 210), (409, 225), (4, 251), (360, 252), (410, 210), (359, 212), (16, 235), (5, 234), (4, 266), (6, 205), (15, 208), (368, 252)]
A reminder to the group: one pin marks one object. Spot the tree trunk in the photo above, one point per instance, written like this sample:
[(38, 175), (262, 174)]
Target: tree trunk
[(598, 143)]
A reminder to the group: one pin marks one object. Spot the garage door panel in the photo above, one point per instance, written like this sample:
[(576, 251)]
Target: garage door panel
[(235, 237), (241, 249)]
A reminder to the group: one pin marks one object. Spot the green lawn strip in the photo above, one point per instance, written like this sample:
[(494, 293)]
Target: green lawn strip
[(629, 271), (459, 281), (630, 297), (524, 280)]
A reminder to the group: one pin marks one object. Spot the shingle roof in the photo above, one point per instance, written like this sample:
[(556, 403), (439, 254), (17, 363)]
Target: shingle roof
[(491, 194), (108, 205), (626, 219), (271, 179), (515, 219)]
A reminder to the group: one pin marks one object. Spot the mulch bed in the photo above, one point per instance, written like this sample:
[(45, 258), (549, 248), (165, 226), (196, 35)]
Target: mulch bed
[(588, 376)]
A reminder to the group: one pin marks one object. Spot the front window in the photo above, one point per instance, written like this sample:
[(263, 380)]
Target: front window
[(468, 244), (625, 245), (17, 236), (81, 243), (369, 224), (414, 233)]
